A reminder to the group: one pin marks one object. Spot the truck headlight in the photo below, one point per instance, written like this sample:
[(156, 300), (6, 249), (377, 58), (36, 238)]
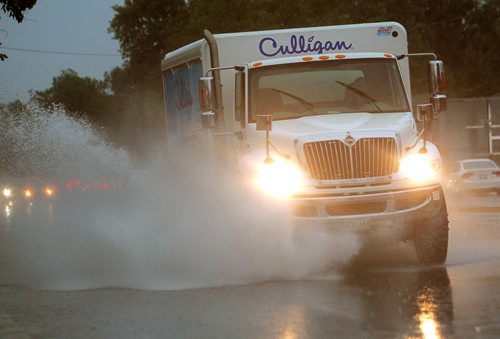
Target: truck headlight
[(279, 179), (419, 167)]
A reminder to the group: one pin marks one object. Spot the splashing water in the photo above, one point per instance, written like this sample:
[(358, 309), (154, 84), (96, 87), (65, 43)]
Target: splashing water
[(175, 223), (47, 143)]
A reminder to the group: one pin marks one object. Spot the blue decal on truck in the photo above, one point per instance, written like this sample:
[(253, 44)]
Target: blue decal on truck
[(298, 44), (384, 31), (182, 103)]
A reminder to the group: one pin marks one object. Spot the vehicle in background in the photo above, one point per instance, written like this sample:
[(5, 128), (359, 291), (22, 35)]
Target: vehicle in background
[(27, 192), (474, 175), (320, 116)]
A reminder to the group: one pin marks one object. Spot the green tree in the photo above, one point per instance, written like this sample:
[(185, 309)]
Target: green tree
[(80, 96), (15, 9), (146, 30), (223, 16)]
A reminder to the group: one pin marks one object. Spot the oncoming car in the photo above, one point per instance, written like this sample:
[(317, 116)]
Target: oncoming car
[(30, 191), (474, 175)]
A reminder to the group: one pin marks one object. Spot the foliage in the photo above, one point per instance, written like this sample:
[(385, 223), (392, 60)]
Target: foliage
[(15, 106), (146, 30), (79, 95), (15, 9)]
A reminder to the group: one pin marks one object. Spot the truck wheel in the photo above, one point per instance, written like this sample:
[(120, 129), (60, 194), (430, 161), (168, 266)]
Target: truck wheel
[(431, 239)]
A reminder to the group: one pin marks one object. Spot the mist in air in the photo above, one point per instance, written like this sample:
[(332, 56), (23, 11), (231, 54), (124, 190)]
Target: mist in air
[(175, 222)]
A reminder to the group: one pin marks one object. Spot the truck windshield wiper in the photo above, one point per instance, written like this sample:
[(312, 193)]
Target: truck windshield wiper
[(306, 103), (362, 94)]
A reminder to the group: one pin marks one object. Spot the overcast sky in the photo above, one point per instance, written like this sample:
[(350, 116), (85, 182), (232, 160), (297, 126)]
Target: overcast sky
[(56, 25)]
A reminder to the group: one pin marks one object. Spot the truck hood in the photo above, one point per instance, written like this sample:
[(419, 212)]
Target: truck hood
[(333, 126)]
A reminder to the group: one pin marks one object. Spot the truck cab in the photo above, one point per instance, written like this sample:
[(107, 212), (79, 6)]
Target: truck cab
[(332, 131)]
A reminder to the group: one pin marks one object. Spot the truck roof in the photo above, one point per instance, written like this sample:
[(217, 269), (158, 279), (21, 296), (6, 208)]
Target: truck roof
[(245, 47)]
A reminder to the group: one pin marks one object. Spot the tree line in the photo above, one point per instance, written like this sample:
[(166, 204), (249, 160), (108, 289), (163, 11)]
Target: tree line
[(129, 101)]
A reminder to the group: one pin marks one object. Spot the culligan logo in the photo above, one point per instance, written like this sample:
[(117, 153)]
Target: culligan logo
[(299, 44)]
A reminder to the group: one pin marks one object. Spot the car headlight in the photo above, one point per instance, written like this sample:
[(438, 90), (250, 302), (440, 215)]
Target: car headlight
[(49, 191), (7, 192), (279, 179), (420, 167), (28, 193)]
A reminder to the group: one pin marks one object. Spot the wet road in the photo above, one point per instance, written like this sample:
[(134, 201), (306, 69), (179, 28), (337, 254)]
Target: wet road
[(380, 293)]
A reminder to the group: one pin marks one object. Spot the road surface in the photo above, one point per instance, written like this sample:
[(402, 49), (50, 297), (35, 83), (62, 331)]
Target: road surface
[(380, 292)]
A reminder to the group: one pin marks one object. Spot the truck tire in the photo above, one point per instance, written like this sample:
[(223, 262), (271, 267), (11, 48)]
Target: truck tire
[(431, 238)]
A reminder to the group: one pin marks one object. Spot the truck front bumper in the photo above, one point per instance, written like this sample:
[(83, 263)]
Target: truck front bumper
[(397, 208)]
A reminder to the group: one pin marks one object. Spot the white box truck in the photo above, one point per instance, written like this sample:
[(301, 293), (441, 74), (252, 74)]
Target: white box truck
[(329, 111)]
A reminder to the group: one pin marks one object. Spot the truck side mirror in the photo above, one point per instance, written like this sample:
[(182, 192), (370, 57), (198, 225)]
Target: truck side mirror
[(239, 98), (424, 112), (437, 87), (439, 104), (207, 102)]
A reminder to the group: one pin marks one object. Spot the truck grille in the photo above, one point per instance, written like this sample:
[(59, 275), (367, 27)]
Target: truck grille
[(366, 158)]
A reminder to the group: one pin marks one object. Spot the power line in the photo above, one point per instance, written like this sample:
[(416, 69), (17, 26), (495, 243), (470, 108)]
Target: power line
[(59, 52)]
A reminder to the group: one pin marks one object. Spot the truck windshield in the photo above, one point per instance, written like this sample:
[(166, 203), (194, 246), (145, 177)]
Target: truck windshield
[(339, 86)]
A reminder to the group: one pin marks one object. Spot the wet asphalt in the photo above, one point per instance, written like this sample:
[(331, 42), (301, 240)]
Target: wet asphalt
[(379, 293)]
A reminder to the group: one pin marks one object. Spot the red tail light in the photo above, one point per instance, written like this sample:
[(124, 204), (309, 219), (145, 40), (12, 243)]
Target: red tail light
[(467, 175), (497, 173)]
